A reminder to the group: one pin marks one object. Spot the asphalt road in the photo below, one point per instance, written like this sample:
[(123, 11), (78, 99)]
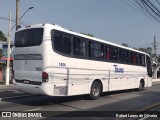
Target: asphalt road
[(109, 105)]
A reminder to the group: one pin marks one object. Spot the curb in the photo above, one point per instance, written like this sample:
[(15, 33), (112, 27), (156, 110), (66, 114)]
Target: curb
[(156, 81), (17, 97)]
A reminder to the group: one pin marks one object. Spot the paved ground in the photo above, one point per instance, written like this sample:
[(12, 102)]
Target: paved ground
[(109, 104), (10, 92)]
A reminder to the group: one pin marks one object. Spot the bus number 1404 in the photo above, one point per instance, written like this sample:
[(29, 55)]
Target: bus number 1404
[(62, 64)]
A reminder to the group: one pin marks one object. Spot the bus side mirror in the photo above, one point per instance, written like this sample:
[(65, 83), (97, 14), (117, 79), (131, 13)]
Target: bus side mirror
[(154, 64)]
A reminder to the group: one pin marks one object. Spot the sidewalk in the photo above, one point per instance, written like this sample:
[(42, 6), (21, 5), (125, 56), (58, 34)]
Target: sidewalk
[(155, 80), (4, 87)]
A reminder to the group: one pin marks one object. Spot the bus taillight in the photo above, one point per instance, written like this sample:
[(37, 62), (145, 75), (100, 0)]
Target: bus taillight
[(45, 77)]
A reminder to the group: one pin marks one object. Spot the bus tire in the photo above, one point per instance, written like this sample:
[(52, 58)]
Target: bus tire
[(96, 90), (141, 85)]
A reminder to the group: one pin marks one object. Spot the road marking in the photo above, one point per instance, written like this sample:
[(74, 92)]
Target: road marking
[(34, 109), (143, 118)]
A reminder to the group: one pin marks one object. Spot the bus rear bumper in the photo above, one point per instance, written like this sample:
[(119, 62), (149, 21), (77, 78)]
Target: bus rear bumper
[(29, 88), (45, 89)]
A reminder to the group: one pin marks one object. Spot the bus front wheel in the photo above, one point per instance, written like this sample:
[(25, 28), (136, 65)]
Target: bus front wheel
[(95, 91)]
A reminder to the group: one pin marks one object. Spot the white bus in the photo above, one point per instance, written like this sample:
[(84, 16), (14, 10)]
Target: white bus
[(54, 61)]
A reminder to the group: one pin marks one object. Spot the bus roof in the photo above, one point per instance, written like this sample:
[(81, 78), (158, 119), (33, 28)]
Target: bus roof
[(59, 28)]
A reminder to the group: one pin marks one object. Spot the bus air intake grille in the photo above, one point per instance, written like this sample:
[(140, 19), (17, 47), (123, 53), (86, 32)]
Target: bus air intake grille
[(60, 90)]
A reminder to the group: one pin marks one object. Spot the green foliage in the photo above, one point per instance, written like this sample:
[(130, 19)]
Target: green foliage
[(125, 45), (88, 34), (0, 53), (147, 50), (2, 66), (2, 36)]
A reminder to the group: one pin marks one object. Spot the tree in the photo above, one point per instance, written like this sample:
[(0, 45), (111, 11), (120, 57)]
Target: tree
[(88, 34), (2, 36), (125, 45), (147, 50), (0, 53)]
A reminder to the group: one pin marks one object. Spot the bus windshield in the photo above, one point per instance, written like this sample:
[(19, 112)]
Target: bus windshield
[(29, 37)]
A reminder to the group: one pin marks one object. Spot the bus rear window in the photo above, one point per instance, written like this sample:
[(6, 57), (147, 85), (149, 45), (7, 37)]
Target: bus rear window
[(28, 38)]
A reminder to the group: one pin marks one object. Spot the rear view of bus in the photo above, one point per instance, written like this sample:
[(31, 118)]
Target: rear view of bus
[(28, 59)]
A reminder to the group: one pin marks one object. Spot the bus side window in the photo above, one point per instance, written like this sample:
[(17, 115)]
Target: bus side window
[(137, 59), (66, 44), (149, 66), (127, 56), (122, 55), (114, 53), (102, 52), (141, 60), (79, 47), (62, 42), (107, 53), (96, 50), (133, 58), (91, 49), (76, 43)]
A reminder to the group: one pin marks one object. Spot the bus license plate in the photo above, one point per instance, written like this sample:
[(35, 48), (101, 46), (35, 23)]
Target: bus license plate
[(26, 81)]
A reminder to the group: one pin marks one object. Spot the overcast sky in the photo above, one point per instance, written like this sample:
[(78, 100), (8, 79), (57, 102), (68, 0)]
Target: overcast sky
[(111, 20)]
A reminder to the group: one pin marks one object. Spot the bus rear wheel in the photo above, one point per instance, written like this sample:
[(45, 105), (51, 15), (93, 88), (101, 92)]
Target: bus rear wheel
[(96, 90), (141, 85)]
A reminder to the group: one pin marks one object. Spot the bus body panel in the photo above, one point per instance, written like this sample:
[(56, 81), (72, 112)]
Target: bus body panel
[(28, 65), (69, 75)]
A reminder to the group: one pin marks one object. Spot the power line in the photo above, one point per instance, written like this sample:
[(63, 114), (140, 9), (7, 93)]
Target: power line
[(149, 8), (5, 18)]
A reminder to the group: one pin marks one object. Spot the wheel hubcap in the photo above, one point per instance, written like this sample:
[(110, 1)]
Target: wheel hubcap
[(95, 90)]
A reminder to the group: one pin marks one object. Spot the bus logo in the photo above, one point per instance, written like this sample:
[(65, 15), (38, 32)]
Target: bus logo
[(118, 69), (38, 69)]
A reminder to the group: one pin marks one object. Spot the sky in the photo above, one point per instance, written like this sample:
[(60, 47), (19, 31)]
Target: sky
[(110, 20)]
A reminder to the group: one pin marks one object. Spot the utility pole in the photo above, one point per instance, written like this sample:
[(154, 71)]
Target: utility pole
[(155, 49), (8, 51), (17, 13), (155, 58)]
